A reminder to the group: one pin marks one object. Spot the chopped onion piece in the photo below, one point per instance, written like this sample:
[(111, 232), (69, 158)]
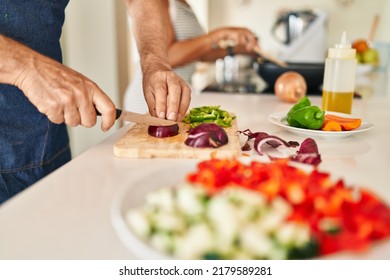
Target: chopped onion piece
[(271, 140), (308, 153), (207, 135), (162, 131)]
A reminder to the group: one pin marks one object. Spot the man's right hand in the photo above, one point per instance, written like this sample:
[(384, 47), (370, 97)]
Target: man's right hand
[(57, 91)]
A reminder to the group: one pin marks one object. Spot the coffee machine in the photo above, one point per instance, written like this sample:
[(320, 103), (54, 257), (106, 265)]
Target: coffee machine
[(301, 35)]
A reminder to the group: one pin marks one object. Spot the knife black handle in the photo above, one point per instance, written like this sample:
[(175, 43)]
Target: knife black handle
[(118, 113)]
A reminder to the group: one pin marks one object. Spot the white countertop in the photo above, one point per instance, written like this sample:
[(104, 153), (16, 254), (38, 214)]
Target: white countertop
[(67, 214)]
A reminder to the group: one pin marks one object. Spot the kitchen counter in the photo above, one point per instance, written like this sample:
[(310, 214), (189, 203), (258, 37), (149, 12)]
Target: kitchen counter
[(67, 214)]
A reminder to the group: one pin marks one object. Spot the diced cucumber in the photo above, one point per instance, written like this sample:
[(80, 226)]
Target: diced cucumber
[(193, 244), (270, 221), (162, 241), (162, 200), (190, 200), (256, 242), (224, 219), (329, 225), (139, 223), (169, 222), (281, 206), (309, 250)]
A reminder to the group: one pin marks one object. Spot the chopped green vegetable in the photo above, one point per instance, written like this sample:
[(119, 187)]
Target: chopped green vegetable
[(304, 115), (303, 102), (310, 117), (213, 114), (212, 256), (307, 251)]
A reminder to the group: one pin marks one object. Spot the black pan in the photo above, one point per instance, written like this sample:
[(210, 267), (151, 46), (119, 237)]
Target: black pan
[(312, 72)]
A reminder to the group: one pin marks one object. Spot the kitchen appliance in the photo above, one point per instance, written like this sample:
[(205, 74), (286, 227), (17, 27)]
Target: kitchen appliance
[(301, 35)]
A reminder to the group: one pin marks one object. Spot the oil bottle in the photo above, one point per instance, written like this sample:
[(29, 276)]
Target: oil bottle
[(339, 78)]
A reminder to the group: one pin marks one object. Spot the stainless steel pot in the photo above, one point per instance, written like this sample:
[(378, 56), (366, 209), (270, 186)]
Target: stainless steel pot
[(232, 69)]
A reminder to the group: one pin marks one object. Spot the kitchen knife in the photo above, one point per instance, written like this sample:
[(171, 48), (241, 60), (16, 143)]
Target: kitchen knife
[(139, 118)]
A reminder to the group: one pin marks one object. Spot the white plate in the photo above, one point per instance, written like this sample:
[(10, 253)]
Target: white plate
[(133, 196), (279, 119)]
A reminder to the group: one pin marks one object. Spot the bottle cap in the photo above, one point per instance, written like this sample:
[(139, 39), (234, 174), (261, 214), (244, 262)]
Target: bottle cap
[(342, 50)]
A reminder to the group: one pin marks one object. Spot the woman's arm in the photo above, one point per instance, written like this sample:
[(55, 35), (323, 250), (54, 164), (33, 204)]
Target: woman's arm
[(206, 47), (203, 48)]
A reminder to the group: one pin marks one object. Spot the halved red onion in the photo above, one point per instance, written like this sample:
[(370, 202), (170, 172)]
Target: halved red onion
[(162, 131), (207, 135)]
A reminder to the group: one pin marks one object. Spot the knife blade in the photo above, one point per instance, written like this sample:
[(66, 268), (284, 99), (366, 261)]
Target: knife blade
[(139, 118)]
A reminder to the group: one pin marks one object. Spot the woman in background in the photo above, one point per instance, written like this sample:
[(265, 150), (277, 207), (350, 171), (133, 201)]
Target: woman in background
[(188, 44)]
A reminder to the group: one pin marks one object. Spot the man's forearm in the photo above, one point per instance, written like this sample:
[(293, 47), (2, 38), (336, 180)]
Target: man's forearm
[(12, 58), (149, 27)]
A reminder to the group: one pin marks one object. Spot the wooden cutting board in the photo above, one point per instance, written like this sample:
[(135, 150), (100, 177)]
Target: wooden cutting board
[(137, 143)]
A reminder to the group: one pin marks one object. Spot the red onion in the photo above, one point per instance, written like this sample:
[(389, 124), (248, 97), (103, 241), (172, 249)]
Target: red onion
[(263, 137), (162, 131), (271, 140), (308, 153), (207, 135)]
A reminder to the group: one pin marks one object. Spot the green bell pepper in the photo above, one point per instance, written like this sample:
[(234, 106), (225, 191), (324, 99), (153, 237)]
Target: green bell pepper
[(203, 114), (303, 102), (310, 117)]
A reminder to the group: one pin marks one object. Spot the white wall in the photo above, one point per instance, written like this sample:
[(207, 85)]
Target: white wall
[(91, 47), (259, 15)]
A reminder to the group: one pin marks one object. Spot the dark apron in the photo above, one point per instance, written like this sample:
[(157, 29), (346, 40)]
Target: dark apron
[(30, 145)]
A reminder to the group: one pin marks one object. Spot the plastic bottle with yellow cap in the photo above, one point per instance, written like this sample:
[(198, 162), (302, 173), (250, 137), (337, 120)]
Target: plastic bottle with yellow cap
[(339, 78)]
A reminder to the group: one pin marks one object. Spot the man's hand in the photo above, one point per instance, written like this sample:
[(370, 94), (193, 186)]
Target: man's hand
[(57, 91), (65, 95), (166, 94)]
